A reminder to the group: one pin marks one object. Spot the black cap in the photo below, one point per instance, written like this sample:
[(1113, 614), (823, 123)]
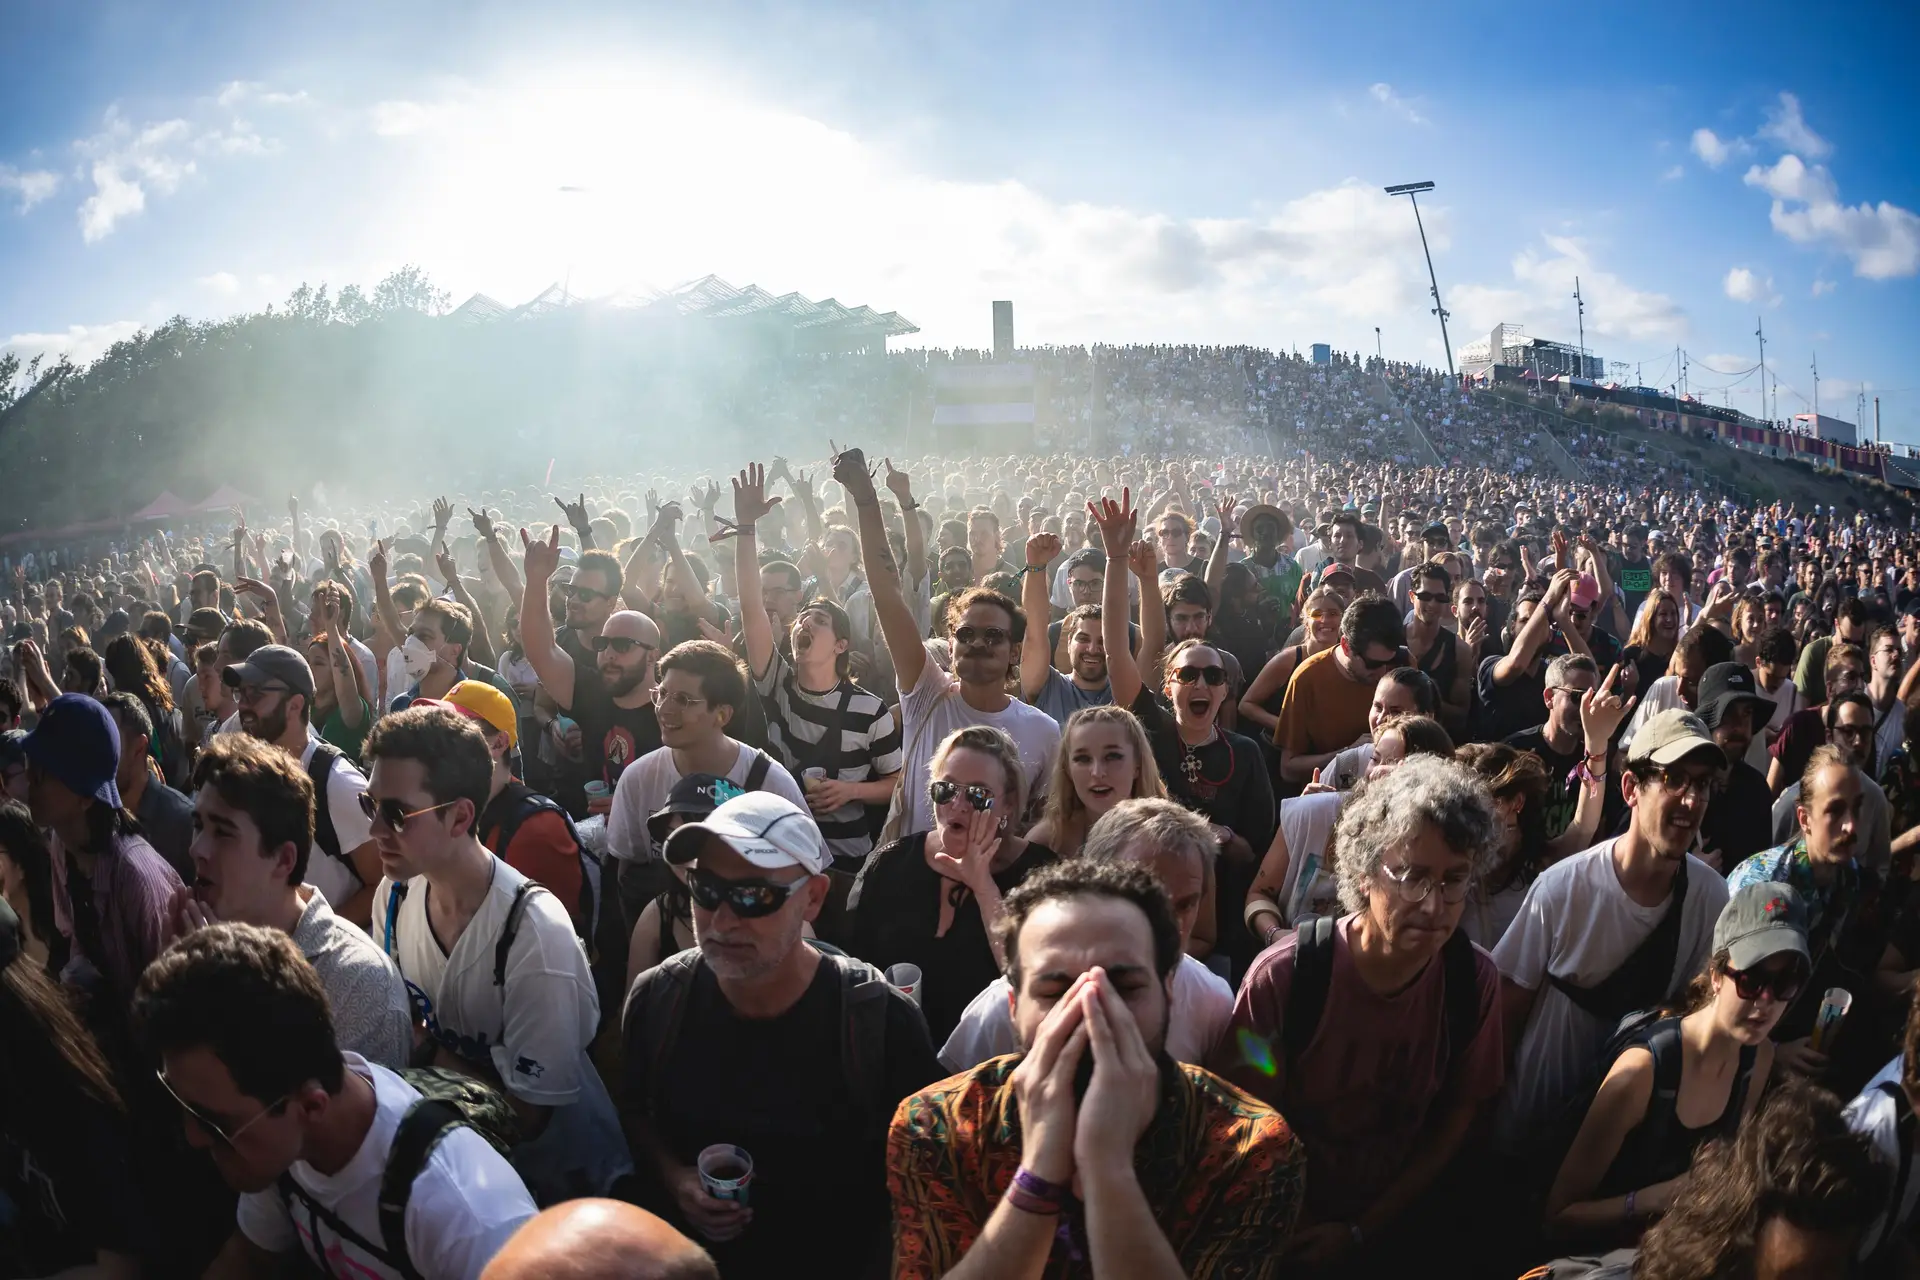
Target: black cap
[(1725, 684), (695, 795), (1437, 532)]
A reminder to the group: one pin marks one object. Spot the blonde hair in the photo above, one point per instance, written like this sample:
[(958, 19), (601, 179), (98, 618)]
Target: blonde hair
[(996, 743), (1063, 804)]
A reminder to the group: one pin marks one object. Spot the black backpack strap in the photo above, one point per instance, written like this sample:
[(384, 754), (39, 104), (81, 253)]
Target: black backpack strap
[(1312, 976), (319, 766), (863, 1017), (1643, 977), (662, 1003), (425, 1123), (1903, 1138), (291, 1193), (1737, 1099), (1663, 1042), (504, 946), (521, 803), (1462, 973), (758, 770)]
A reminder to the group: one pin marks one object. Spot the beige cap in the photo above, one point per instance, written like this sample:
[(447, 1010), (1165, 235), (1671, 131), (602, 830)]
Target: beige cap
[(1671, 737)]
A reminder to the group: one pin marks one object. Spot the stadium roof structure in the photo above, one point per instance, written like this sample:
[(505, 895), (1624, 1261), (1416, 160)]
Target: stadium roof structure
[(827, 322)]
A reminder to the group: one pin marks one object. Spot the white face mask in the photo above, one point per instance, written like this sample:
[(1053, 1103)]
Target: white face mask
[(417, 656)]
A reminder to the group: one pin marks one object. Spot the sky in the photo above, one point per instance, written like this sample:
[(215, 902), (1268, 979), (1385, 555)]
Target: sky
[(1122, 172)]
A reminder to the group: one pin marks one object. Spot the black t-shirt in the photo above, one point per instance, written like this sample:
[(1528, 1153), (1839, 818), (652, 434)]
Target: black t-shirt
[(611, 737), (1502, 710), (1739, 819), (778, 1088), (1636, 583), (70, 1195), (1563, 797), (1230, 785), (1442, 661), (899, 913)]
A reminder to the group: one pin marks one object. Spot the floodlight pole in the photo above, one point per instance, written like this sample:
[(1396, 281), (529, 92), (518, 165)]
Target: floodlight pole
[(1411, 191)]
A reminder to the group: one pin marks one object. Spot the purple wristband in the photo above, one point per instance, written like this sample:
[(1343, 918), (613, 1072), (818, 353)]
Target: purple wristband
[(1035, 1185)]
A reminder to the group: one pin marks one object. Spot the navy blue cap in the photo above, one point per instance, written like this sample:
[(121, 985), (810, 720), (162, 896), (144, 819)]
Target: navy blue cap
[(78, 743)]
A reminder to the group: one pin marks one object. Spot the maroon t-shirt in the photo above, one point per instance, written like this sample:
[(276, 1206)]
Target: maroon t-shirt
[(1369, 1079), (1802, 733)]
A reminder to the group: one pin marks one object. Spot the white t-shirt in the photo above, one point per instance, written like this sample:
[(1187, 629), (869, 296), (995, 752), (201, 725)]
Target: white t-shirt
[(333, 876), (645, 784), (1578, 924), (1307, 823), (933, 708), (466, 1202), (1197, 1017), (1876, 1116), (1486, 920)]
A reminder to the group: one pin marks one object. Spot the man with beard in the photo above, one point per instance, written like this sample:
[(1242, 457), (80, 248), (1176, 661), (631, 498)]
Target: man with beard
[(1093, 1154), (274, 688), (837, 735), (592, 595), (1736, 825), (987, 633), (1085, 684), (758, 1040), (1849, 722), (253, 834), (1621, 927), (1847, 934), (607, 685)]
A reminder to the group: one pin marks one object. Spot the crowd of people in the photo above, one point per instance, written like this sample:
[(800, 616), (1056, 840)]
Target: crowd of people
[(1293, 860)]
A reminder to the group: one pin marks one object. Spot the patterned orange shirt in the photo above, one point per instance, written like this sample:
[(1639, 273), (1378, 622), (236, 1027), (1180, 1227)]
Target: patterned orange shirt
[(1221, 1170)]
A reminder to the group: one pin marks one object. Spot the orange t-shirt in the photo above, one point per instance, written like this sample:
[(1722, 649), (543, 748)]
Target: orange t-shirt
[(542, 851), (1323, 710)]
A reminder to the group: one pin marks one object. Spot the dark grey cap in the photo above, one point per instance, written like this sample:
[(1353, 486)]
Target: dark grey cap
[(1761, 920)]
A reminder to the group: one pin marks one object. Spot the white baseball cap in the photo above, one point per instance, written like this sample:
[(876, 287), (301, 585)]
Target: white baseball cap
[(765, 829)]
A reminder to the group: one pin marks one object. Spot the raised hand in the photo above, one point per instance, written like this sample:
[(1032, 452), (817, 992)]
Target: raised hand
[(482, 523), (973, 865), (899, 484), (540, 558), (750, 500), (1125, 1092), (1042, 549), (1602, 711), (709, 498), (1143, 558), (377, 560), (1226, 507), (575, 511), (1116, 521), (442, 514), (779, 471), (802, 486), (664, 520), (1043, 1085), (851, 470), (258, 590), (326, 606), (443, 559)]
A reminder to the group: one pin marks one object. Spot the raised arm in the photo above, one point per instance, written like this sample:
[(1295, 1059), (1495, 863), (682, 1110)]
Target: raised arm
[(1036, 663), (902, 487), (699, 603), (883, 579), (347, 675), (481, 643), (802, 486), (750, 503), (549, 661), (576, 514), (1143, 557), (1539, 626), (497, 553), (1116, 521), (1217, 558), (383, 607)]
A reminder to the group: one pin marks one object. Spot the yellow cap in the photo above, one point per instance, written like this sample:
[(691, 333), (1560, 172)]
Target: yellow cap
[(482, 700)]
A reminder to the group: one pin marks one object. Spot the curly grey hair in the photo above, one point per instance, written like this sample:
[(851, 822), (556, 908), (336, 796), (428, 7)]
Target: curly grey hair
[(1390, 811)]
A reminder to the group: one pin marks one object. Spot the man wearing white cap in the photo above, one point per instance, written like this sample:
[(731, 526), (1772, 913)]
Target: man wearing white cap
[(762, 1040), (1618, 928)]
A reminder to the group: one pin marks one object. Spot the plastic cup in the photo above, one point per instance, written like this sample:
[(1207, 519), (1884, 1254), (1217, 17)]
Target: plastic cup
[(1833, 1011), (810, 776), (906, 980), (726, 1171), (597, 790)]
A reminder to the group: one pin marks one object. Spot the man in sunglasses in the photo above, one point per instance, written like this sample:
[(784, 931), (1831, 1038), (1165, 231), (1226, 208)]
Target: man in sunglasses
[(1618, 928), (490, 957), (591, 598), (296, 1111), (1510, 688), (757, 1039), (1327, 701), (1848, 937), (274, 689), (604, 682)]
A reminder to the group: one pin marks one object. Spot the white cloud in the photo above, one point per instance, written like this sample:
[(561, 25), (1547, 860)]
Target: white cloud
[(1674, 174), (1386, 97), (224, 283), (124, 163), (402, 118), (113, 198), (1786, 126), (1823, 287), (31, 185), (1541, 298), (1723, 364), (237, 93), (1715, 150), (1883, 240), (1742, 285), (81, 343)]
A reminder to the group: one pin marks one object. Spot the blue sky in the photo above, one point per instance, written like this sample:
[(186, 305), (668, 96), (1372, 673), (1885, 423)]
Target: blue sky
[(1123, 172)]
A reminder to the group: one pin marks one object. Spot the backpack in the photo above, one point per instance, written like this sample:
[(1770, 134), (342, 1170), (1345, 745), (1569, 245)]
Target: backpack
[(659, 999), (1617, 1265), (1313, 976), (448, 1099), (319, 766), (757, 771), (523, 803), (502, 947)]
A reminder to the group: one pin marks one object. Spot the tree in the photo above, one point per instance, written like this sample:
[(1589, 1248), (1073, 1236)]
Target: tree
[(409, 289), (352, 307), (309, 304)]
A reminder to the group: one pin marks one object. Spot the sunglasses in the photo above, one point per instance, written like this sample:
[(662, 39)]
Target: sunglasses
[(394, 813), (214, 1128), (1430, 597), (1784, 985), (584, 595), (750, 899), (943, 792), (1192, 675), (619, 644), (1399, 659), (983, 637)]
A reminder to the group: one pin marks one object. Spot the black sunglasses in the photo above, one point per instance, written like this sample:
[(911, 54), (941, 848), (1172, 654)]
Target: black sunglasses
[(943, 792), (985, 637), (1399, 659), (395, 812), (1191, 675), (750, 899), (1784, 984), (1430, 597), (619, 644), (584, 595)]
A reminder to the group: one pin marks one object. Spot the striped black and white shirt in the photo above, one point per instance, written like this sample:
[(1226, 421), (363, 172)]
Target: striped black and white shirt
[(799, 723)]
